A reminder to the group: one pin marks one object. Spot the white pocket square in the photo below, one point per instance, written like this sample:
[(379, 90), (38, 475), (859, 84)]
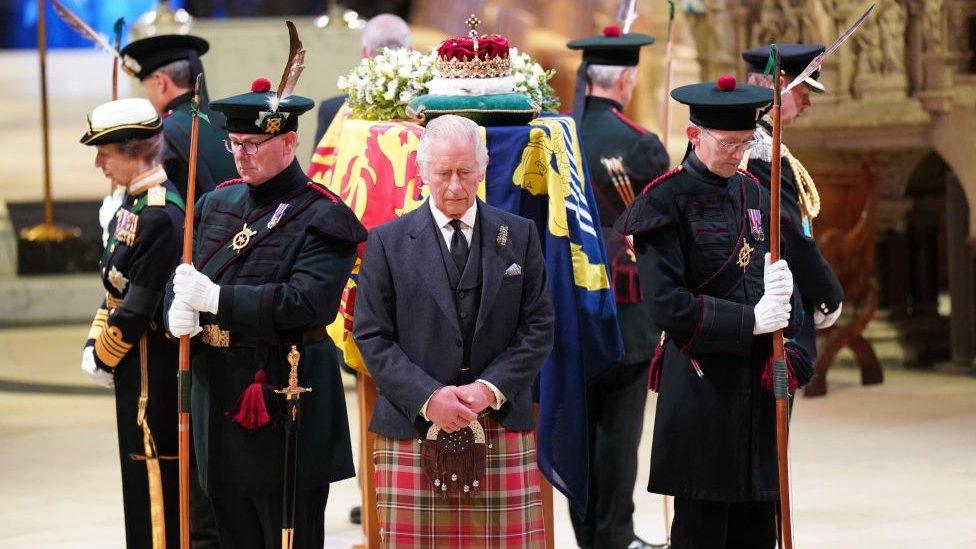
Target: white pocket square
[(513, 270)]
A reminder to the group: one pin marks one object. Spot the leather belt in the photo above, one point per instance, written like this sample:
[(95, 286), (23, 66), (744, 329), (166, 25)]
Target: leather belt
[(215, 337)]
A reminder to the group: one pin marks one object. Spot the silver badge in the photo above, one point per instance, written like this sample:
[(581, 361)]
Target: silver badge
[(117, 279)]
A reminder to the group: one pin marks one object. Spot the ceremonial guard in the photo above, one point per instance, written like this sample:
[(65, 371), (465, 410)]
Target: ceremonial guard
[(167, 67), (820, 290), (701, 233), (272, 252), (622, 158), (127, 346)]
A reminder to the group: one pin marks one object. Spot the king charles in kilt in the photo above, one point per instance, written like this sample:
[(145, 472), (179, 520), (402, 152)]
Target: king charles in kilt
[(272, 252), (454, 320), (127, 347), (701, 233)]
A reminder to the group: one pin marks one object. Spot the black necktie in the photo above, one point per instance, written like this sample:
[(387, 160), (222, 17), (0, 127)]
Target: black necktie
[(459, 245)]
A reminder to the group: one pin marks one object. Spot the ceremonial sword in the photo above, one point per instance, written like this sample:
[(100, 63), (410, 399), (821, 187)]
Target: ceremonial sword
[(293, 393)]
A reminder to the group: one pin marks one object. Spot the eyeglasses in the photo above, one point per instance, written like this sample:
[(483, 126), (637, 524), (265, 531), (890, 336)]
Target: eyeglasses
[(732, 147), (249, 147)]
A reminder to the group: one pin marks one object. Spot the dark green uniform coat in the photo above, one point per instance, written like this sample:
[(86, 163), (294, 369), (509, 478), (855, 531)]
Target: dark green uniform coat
[(214, 163), (714, 435), (607, 133), (136, 275), (283, 286)]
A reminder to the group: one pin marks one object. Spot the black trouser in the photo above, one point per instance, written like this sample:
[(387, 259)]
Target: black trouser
[(255, 522), (700, 524), (615, 410), (203, 526)]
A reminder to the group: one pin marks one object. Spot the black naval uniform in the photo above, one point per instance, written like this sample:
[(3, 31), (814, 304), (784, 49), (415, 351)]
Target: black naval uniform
[(134, 273), (282, 288), (615, 403), (214, 163), (714, 445), (819, 288)]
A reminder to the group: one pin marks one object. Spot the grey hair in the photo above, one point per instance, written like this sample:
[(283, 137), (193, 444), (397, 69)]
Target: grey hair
[(385, 31), (147, 149), (605, 76), (760, 79), (451, 127), (179, 72)]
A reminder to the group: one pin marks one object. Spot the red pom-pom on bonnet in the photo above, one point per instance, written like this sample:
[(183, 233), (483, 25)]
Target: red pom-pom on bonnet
[(261, 85), (725, 83), (611, 31)]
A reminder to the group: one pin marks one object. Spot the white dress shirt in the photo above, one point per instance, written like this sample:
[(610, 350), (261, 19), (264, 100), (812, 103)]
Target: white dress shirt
[(447, 232)]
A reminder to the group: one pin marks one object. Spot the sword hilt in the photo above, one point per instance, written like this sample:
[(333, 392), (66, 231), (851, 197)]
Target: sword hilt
[(293, 391)]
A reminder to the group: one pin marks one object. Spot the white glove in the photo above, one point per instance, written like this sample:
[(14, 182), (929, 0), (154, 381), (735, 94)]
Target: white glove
[(195, 289), (777, 279), (183, 320), (110, 204), (822, 321), (771, 314), (97, 375)]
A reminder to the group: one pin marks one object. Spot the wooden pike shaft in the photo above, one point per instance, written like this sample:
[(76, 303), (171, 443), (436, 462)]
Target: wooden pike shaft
[(184, 374), (666, 104), (782, 395)]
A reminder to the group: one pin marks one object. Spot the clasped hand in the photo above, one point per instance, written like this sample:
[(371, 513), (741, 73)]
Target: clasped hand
[(452, 408)]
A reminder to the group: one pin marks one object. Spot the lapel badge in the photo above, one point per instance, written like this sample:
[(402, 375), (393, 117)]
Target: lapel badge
[(242, 238), (502, 237), (745, 254), (157, 196), (117, 279), (276, 218)]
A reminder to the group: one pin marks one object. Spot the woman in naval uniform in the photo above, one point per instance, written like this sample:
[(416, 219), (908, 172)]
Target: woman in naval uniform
[(127, 347)]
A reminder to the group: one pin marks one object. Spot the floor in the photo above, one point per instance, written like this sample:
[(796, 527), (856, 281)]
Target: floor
[(887, 466)]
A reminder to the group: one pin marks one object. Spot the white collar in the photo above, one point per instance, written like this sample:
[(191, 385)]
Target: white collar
[(467, 218), (143, 181)]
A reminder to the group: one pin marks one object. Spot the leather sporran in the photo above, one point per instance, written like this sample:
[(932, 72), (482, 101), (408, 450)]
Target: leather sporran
[(455, 462)]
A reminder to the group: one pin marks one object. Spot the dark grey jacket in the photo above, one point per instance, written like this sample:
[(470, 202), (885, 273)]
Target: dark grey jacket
[(406, 321)]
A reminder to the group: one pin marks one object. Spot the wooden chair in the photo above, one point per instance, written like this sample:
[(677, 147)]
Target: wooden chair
[(849, 199)]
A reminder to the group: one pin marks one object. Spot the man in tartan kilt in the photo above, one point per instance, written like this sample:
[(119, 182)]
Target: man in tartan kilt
[(454, 320)]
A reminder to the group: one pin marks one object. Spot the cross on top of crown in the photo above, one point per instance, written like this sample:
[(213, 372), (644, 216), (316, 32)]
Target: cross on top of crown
[(473, 22)]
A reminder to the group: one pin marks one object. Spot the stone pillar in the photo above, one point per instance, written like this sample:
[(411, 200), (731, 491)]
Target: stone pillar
[(962, 320)]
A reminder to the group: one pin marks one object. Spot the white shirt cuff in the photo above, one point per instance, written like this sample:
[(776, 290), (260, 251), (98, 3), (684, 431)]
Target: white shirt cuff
[(499, 397), (423, 409)]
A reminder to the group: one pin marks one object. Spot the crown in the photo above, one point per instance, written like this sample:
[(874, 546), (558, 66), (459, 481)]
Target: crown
[(473, 56)]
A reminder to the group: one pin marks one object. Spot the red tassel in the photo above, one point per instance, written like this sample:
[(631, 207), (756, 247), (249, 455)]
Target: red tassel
[(654, 371), (767, 376), (252, 410)]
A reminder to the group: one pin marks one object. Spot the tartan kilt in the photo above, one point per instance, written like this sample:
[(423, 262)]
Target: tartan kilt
[(507, 512)]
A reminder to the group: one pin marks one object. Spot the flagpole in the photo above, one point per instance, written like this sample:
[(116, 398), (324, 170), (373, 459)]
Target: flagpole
[(46, 231)]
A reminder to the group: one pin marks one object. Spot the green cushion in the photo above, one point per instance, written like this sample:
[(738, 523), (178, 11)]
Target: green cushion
[(505, 109)]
